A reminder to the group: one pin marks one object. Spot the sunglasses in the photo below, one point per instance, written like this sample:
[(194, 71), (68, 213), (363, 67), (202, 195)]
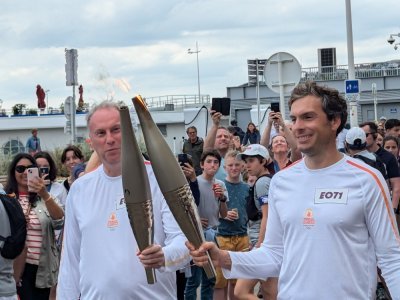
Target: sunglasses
[(21, 169), (368, 133)]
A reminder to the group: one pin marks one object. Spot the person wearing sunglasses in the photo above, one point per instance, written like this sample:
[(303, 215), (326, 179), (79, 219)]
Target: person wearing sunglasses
[(37, 269)]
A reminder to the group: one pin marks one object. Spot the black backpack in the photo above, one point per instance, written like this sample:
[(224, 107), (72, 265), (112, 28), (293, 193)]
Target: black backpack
[(377, 164), (15, 243), (253, 213)]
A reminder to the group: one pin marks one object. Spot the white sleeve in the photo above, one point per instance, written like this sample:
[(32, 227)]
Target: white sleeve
[(175, 252), (68, 277), (383, 230), (267, 260)]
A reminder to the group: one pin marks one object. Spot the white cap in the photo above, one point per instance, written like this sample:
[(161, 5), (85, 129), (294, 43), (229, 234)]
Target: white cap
[(383, 118), (356, 138), (253, 150)]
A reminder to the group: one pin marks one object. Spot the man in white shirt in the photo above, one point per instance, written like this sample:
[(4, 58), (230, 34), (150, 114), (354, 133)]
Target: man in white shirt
[(328, 213), (100, 258)]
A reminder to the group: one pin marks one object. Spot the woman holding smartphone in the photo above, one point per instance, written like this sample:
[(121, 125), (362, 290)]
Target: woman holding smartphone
[(39, 268), (48, 171)]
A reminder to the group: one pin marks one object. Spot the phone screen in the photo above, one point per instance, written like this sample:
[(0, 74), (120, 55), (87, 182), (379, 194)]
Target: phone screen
[(275, 106), (45, 170)]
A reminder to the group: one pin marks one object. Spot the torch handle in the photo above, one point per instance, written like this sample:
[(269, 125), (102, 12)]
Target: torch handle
[(150, 275)]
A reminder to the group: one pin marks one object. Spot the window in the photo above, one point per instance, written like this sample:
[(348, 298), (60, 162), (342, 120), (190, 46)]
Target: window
[(13, 147)]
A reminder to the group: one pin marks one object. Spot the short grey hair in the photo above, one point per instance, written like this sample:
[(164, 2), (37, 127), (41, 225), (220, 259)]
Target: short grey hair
[(106, 104)]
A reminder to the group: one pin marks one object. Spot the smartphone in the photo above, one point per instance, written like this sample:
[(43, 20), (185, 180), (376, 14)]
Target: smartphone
[(32, 173), (275, 107), (45, 170), (221, 105), (182, 159)]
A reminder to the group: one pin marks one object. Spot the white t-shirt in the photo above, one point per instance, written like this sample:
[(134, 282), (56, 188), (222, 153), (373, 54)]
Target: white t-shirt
[(323, 225), (58, 191), (99, 258)]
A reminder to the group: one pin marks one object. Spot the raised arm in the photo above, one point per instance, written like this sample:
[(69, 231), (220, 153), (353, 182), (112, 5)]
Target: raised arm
[(209, 141), (266, 136)]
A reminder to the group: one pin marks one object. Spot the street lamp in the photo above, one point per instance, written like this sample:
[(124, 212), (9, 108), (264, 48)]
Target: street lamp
[(395, 46), (47, 99), (198, 70)]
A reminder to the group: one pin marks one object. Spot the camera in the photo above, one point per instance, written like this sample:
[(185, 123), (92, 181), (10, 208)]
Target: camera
[(391, 40)]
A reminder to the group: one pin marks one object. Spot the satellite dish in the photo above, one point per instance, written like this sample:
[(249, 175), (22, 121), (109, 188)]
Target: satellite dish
[(282, 69)]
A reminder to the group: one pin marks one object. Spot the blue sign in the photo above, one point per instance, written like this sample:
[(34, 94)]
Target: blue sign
[(352, 86)]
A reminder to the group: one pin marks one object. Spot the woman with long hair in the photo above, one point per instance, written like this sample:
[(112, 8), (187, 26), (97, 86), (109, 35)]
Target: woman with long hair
[(71, 157), (252, 135), (40, 262)]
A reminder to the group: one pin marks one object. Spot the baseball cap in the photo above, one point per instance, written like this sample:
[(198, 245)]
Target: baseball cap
[(253, 150), (356, 138), (382, 118)]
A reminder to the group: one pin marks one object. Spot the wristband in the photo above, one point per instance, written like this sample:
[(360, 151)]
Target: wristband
[(222, 199)]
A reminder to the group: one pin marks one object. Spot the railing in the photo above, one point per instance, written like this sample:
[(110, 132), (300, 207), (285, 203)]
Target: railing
[(179, 101), (159, 103), (340, 72)]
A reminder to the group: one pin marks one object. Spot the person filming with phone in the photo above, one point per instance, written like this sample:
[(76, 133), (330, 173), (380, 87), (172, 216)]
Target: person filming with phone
[(36, 269)]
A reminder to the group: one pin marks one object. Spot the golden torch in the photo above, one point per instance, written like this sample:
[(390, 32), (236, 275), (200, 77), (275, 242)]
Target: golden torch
[(172, 181), (136, 189)]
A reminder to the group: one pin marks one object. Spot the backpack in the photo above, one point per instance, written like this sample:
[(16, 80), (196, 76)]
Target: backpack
[(253, 213), (378, 164), (15, 243)]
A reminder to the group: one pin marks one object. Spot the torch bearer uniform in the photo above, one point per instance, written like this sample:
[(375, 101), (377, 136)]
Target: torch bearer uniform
[(99, 258), (323, 225)]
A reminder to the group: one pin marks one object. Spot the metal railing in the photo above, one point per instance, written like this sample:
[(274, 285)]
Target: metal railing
[(177, 101), (340, 72)]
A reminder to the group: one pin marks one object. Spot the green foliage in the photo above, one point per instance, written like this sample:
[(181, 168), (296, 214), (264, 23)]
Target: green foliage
[(18, 108), (32, 111)]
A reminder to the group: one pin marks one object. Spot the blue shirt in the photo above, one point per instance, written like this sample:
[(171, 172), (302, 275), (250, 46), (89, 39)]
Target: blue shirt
[(238, 193)]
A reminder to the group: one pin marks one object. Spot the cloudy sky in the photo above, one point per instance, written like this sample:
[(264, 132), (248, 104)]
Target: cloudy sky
[(135, 46)]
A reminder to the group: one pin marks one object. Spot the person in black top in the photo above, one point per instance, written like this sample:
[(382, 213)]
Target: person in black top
[(371, 129)]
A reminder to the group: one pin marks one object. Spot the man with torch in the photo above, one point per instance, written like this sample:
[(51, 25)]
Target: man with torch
[(99, 257)]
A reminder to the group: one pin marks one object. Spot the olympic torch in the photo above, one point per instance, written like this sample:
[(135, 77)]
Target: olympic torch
[(172, 181), (136, 189)]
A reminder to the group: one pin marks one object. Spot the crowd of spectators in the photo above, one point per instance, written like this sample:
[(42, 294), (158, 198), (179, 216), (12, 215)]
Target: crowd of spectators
[(229, 172)]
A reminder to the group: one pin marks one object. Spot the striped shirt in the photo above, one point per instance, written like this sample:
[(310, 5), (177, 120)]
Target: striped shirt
[(34, 231)]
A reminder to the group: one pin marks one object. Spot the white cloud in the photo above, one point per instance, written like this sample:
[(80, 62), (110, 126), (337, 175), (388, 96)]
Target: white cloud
[(145, 43)]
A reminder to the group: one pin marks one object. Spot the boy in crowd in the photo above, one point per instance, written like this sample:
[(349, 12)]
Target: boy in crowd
[(232, 230), (256, 157), (212, 206)]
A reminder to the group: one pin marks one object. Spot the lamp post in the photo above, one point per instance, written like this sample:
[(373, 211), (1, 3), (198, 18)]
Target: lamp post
[(198, 69), (47, 99), (374, 93)]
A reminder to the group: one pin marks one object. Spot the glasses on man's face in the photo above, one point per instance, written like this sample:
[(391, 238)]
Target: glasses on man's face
[(21, 169), (191, 132)]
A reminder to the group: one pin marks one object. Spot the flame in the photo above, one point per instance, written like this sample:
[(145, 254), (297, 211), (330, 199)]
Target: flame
[(123, 84), (140, 101)]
